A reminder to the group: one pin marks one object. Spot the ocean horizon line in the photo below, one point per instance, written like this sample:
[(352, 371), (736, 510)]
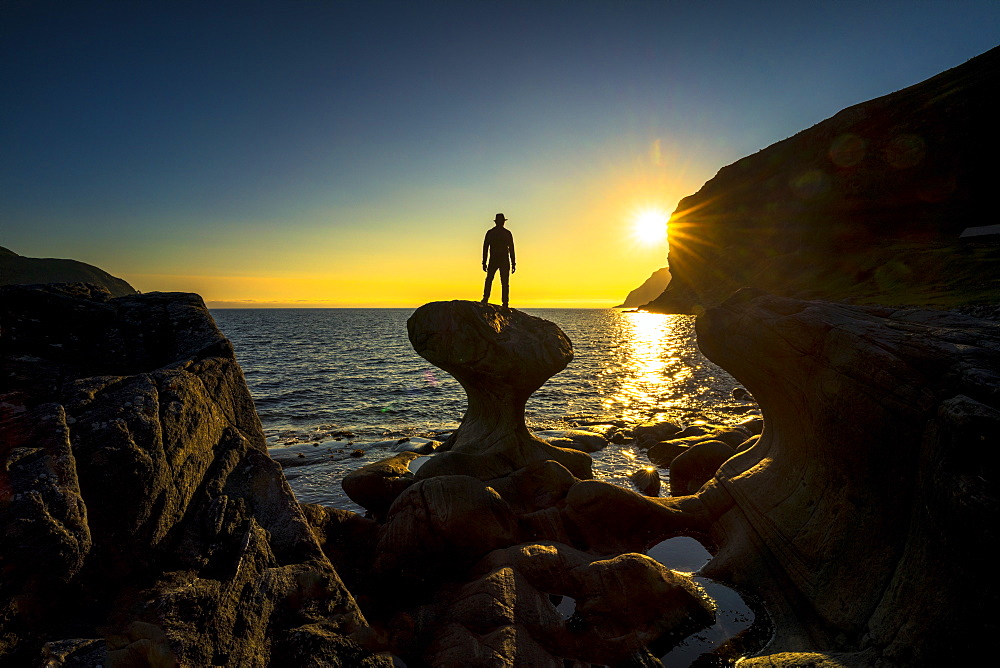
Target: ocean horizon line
[(214, 306)]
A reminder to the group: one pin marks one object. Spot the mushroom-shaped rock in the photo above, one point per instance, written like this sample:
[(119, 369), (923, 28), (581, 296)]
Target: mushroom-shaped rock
[(500, 356)]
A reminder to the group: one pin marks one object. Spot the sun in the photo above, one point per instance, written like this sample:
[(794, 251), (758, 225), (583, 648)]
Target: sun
[(650, 226)]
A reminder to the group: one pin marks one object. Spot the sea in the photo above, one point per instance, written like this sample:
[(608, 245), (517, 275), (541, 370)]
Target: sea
[(340, 388)]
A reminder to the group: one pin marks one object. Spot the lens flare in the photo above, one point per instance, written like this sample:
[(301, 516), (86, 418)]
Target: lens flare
[(650, 226)]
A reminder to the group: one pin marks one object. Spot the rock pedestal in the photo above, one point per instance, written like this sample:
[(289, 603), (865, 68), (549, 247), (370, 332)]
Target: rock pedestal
[(500, 356)]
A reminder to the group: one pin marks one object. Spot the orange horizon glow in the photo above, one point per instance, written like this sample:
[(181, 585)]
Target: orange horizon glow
[(582, 242)]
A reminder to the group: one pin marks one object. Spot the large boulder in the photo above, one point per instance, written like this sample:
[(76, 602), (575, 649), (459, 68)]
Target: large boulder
[(375, 486), (441, 524), (139, 504), (862, 513)]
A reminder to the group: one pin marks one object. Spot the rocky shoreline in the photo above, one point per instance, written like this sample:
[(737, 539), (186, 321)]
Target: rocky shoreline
[(146, 524)]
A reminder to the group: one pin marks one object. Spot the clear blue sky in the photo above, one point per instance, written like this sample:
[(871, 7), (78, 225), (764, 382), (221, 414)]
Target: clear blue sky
[(356, 152)]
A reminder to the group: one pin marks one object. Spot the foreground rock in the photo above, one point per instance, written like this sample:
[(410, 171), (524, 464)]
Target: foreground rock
[(861, 514), (376, 485), (620, 607), (140, 511)]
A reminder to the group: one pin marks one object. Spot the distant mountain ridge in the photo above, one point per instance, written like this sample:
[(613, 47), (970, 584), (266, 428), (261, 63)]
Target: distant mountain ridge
[(651, 288), (19, 270), (867, 205)]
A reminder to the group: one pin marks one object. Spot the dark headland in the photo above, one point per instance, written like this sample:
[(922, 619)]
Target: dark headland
[(869, 206), (650, 289), (19, 270)]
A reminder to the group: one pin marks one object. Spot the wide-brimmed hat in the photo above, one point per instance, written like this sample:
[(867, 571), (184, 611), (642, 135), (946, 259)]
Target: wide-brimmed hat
[(500, 218)]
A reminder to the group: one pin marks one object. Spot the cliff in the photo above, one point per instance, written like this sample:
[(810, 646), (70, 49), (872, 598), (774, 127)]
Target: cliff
[(19, 270), (144, 522), (867, 205), (650, 289)]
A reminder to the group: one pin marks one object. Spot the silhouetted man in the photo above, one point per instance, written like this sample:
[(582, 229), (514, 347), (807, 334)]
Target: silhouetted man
[(499, 246)]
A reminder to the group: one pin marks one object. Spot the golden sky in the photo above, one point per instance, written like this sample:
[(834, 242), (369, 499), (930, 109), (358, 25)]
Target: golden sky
[(355, 153), (577, 239)]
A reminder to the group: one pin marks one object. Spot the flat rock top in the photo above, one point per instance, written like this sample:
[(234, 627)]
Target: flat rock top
[(474, 339)]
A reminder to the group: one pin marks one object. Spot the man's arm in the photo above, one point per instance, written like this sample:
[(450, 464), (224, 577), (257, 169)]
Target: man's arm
[(486, 246), (513, 261)]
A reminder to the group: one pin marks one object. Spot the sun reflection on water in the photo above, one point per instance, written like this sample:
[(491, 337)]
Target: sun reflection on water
[(653, 368)]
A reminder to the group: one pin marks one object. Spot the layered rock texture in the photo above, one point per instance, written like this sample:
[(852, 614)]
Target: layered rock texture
[(867, 205), (143, 521), (19, 270), (863, 514)]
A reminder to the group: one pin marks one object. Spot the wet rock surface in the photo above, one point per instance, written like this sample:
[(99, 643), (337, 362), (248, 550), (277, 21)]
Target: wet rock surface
[(375, 486), (647, 481), (144, 522), (622, 606)]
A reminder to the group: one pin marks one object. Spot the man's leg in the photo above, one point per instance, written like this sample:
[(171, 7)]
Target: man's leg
[(505, 284), (490, 273)]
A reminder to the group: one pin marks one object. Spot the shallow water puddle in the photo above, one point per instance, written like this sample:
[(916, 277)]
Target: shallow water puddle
[(682, 554), (732, 614), (566, 607), (415, 465)]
